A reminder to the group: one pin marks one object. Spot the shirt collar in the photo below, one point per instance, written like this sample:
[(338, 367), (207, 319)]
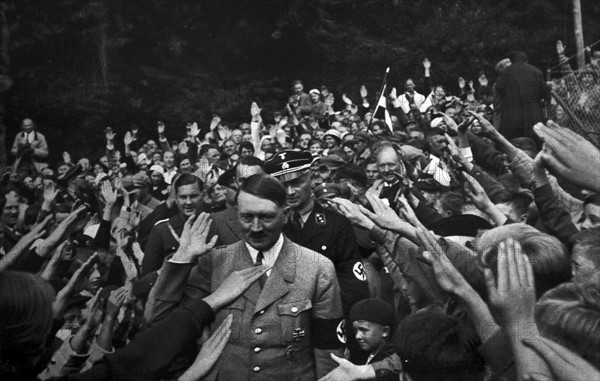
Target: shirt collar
[(270, 255)]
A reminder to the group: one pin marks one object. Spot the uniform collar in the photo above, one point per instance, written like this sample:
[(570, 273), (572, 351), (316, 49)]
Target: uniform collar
[(270, 255)]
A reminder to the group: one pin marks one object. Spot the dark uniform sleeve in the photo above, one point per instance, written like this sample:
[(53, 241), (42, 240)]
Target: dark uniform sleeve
[(349, 268), (151, 353), (154, 251), (327, 319)]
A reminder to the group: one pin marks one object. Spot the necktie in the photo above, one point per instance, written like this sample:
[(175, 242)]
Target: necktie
[(260, 257), (297, 221)]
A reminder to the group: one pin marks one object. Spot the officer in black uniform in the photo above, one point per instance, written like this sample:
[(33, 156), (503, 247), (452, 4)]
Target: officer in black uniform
[(163, 239), (320, 229)]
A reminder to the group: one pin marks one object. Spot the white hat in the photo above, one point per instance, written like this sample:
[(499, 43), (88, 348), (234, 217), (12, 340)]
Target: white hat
[(157, 168), (334, 133), (142, 159), (436, 122), (315, 91)]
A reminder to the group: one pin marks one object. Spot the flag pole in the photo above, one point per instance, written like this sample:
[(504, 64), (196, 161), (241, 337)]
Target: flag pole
[(383, 85)]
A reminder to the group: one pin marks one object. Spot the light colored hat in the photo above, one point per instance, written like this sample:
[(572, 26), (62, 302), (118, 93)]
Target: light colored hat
[(315, 91), (157, 168), (334, 134), (436, 122), (142, 159)]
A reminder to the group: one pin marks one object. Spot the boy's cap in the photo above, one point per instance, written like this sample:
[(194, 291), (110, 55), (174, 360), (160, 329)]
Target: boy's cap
[(373, 310)]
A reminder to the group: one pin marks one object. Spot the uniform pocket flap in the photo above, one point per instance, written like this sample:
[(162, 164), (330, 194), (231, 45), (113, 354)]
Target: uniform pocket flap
[(239, 304), (294, 308)]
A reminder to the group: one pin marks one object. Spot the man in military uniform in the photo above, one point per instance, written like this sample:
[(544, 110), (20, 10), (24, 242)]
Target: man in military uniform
[(226, 224), (284, 326), (320, 229), (317, 228), (164, 236)]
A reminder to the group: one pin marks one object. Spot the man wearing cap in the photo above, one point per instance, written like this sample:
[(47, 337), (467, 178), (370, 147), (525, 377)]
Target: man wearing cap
[(318, 106), (319, 229), (284, 326), (327, 166), (362, 142), (325, 192)]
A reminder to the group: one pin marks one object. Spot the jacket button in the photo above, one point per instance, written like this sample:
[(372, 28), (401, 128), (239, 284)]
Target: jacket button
[(261, 312), (258, 331), (257, 349), (294, 309), (256, 369)]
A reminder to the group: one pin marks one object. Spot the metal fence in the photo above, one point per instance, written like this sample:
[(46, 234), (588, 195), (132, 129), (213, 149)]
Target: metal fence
[(576, 100)]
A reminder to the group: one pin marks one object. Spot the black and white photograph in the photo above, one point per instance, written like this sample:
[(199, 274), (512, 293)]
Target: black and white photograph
[(303, 190)]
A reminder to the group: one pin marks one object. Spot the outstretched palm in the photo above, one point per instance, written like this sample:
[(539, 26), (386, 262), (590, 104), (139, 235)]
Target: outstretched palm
[(193, 242)]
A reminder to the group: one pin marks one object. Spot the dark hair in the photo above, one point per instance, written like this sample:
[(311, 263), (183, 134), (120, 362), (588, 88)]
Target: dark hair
[(592, 199), (251, 161), (519, 201), (434, 131), (350, 144), (354, 173), (370, 160), (25, 321), (246, 145), (452, 202), (421, 144), (517, 56), (435, 346), (187, 179), (204, 149), (265, 187)]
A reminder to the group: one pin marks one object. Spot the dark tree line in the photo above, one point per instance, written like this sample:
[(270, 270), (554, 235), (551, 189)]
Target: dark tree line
[(78, 66)]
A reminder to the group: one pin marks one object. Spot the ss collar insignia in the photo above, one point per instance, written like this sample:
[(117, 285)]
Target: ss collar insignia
[(320, 219)]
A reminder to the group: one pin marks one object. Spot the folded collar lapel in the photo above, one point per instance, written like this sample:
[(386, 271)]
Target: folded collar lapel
[(282, 277)]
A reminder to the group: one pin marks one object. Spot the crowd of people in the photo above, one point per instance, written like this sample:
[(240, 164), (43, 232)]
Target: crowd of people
[(456, 239)]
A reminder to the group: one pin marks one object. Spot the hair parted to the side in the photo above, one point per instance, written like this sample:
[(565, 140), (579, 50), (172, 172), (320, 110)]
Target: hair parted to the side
[(570, 316), (187, 179), (550, 259), (263, 186)]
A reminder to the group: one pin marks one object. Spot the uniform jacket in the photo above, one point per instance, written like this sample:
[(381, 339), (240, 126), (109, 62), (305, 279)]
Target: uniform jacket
[(331, 234), (286, 330), (162, 242), (226, 225)]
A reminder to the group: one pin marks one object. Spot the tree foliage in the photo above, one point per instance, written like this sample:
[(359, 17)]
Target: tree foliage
[(78, 66)]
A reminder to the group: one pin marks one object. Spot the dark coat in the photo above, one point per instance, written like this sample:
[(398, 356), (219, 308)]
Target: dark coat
[(521, 89)]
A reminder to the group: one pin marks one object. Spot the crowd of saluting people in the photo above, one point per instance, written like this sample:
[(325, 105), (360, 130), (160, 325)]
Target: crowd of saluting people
[(408, 235)]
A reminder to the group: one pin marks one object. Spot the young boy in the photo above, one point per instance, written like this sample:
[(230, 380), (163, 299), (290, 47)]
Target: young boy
[(372, 321)]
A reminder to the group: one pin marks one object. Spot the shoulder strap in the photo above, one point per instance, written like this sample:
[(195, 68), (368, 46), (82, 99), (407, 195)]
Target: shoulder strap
[(173, 232)]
